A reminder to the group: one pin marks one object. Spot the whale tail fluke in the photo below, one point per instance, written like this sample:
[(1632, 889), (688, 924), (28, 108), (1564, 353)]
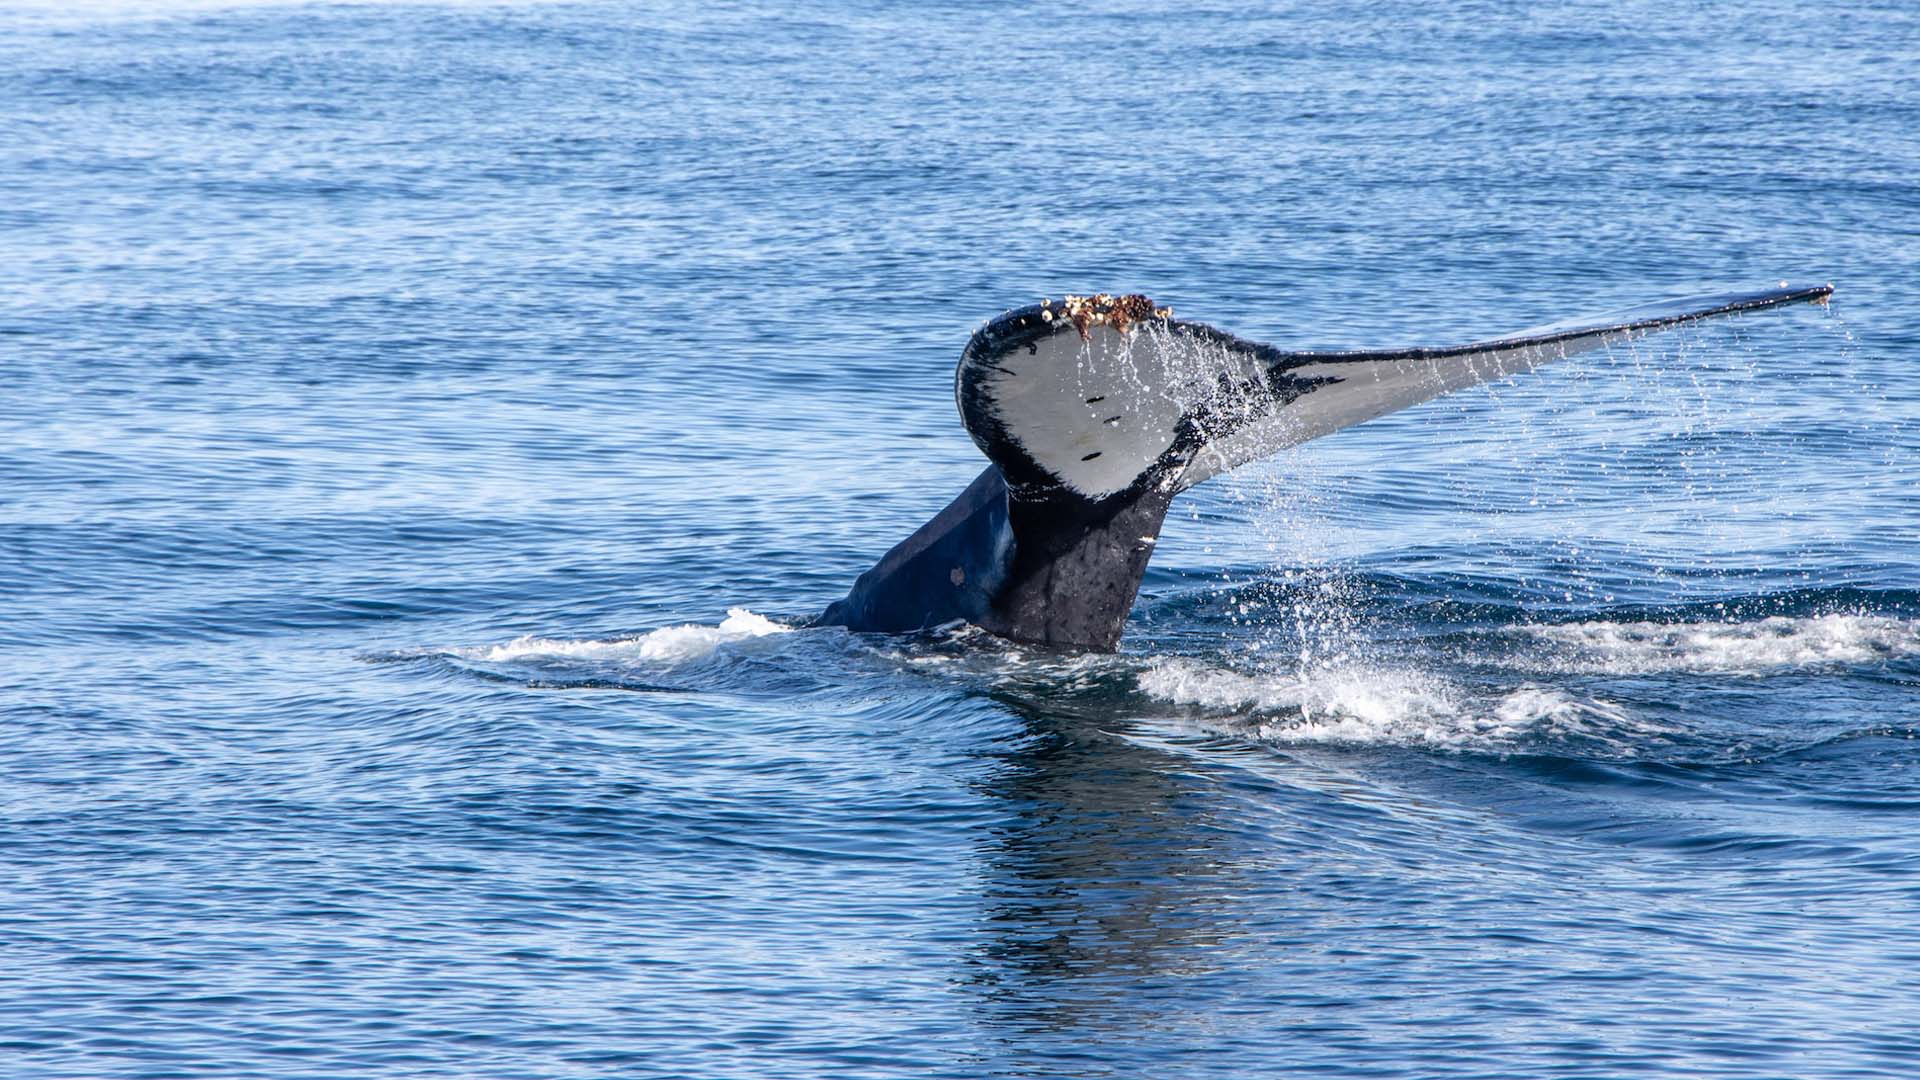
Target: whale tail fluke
[(1097, 411), (1107, 396)]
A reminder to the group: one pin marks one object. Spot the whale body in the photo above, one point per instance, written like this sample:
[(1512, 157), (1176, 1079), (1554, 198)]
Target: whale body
[(1096, 412)]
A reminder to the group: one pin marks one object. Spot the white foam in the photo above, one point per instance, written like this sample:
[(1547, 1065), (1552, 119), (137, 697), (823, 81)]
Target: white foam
[(1348, 702), (668, 645), (1737, 648)]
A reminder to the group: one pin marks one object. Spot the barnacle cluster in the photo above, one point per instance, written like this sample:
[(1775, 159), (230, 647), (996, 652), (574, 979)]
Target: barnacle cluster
[(1102, 309)]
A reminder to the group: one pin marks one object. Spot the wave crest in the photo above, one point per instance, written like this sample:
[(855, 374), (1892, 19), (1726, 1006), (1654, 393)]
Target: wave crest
[(1734, 648), (668, 645), (1363, 703)]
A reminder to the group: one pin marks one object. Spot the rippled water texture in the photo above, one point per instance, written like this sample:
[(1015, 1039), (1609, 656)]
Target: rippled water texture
[(424, 428)]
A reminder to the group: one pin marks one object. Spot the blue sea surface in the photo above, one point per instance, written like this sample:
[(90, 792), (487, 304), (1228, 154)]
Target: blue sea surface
[(426, 430)]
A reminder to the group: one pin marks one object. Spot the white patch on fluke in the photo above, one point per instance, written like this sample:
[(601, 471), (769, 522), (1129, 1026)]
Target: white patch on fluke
[(1095, 413), (1368, 389), (668, 645)]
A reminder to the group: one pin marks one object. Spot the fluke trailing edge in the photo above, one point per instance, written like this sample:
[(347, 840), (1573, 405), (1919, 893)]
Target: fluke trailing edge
[(1097, 411)]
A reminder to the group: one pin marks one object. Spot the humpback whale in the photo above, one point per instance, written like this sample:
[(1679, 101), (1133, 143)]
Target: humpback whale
[(1095, 412)]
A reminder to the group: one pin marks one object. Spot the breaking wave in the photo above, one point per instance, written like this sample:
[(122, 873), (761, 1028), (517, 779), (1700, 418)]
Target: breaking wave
[(1390, 694), (668, 645), (1364, 703), (1733, 648)]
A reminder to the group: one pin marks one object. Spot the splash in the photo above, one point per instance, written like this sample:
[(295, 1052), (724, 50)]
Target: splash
[(1376, 704), (1732, 648), (668, 645)]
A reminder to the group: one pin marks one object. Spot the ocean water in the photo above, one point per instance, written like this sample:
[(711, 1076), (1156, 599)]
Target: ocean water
[(426, 429)]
